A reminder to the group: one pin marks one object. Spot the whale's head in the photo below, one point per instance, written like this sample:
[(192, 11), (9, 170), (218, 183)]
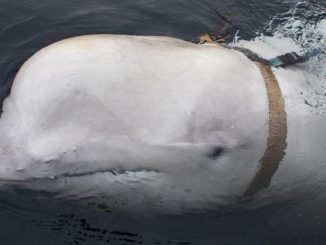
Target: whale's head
[(106, 116)]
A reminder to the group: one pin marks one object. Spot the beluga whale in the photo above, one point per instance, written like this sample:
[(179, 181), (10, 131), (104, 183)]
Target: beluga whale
[(154, 124)]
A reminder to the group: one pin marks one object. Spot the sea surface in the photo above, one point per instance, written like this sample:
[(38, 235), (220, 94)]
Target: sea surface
[(27, 26)]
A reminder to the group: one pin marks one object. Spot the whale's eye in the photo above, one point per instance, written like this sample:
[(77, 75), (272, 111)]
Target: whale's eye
[(215, 152)]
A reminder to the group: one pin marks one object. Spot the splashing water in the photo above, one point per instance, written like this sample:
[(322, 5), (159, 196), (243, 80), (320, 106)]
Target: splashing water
[(303, 30), (305, 24)]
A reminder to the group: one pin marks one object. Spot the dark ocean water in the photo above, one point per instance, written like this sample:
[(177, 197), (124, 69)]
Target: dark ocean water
[(27, 26)]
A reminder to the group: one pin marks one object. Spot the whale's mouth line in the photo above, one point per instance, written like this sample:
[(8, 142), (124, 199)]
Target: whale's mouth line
[(114, 172), (21, 175)]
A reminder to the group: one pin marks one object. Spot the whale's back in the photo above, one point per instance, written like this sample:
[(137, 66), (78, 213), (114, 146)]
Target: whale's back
[(149, 87)]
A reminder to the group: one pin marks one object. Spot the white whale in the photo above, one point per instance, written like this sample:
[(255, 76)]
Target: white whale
[(146, 123)]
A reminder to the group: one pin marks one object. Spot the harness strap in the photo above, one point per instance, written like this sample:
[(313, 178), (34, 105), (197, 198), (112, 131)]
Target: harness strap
[(277, 133), (277, 119)]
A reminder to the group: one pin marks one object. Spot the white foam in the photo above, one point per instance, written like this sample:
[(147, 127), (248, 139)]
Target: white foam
[(270, 46)]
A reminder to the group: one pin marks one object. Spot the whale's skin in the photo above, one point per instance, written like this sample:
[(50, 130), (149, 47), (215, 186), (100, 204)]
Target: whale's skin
[(153, 123)]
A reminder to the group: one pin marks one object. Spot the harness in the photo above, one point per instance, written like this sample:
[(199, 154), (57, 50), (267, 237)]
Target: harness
[(277, 119), (277, 133)]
